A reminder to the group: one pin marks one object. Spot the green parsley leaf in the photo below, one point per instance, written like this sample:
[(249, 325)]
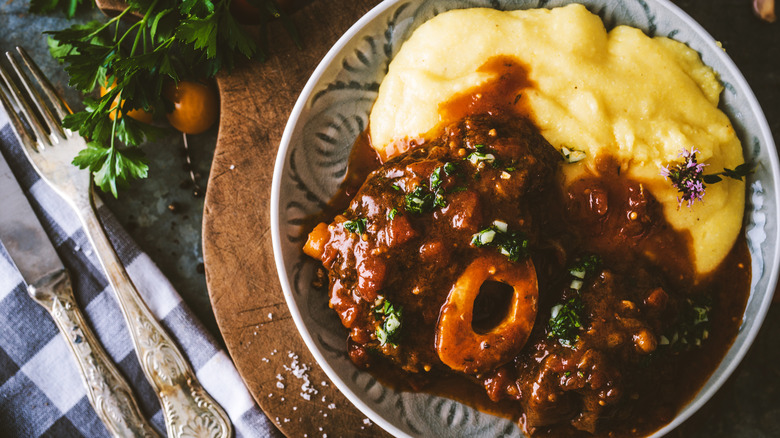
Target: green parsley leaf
[(478, 156), (585, 266), (566, 321), (424, 200), (436, 178), (419, 201), (391, 317), (105, 164), (512, 244), (356, 226)]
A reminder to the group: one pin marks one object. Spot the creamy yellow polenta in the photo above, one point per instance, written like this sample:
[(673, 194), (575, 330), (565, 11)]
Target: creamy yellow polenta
[(639, 99)]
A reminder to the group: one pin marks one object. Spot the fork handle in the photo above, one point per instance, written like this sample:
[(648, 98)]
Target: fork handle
[(108, 393), (188, 409)]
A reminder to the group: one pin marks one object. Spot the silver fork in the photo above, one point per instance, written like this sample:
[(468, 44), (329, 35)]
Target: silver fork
[(187, 408)]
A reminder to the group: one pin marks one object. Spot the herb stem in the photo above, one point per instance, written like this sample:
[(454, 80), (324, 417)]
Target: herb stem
[(115, 19), (128, 32), (142, 28), (165, 39), (167, 43), (113, 125)]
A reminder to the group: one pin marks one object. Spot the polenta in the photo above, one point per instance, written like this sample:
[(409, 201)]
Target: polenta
[(620, 93)]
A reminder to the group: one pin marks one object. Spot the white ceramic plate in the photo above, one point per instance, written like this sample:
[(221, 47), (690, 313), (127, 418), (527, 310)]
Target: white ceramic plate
[(333, 109)]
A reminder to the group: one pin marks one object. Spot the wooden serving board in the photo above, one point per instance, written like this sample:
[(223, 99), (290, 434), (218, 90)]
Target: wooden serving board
[(256, 100)]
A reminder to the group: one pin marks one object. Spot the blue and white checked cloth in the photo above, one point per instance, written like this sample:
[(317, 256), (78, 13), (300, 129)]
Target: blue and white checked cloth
[(41, 393)]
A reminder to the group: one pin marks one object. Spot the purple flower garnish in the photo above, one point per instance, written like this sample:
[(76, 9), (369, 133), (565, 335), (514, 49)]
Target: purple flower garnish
[(687, 177)]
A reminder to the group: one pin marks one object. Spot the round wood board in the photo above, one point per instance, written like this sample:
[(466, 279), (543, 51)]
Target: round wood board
[(261, 337)]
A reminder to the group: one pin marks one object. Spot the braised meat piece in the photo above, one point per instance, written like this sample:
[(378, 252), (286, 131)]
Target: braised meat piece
[(574, 304), (406, 238)]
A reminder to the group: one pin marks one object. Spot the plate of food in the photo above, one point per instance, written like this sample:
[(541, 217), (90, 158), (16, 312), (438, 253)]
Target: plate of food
[(498, 218)]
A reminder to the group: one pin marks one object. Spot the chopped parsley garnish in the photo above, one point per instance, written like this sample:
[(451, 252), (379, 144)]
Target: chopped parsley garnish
[(585, 266), (392, 319), (419, 201), (396, 187), (450, 168), (436, 178), (566, 321), (700, 315), (439, 201), (693, 329), (392, 213), (165, 41), (512, 244), (424, 200), (356, 226), (478, 156)]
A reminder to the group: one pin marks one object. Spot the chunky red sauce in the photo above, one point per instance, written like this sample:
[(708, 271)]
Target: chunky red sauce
[(481, 198)]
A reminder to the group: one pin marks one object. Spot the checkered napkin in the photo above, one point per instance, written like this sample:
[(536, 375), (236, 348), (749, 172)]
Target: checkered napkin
[(41, 393)]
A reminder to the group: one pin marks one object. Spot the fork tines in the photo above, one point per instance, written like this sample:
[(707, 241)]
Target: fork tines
[(40, 123)]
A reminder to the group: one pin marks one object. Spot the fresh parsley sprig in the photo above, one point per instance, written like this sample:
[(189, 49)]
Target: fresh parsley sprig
[(356, 226), (172, 40), (567, 318)]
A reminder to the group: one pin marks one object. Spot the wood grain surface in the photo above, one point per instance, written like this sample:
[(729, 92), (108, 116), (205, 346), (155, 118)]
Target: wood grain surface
[(256, 100)]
